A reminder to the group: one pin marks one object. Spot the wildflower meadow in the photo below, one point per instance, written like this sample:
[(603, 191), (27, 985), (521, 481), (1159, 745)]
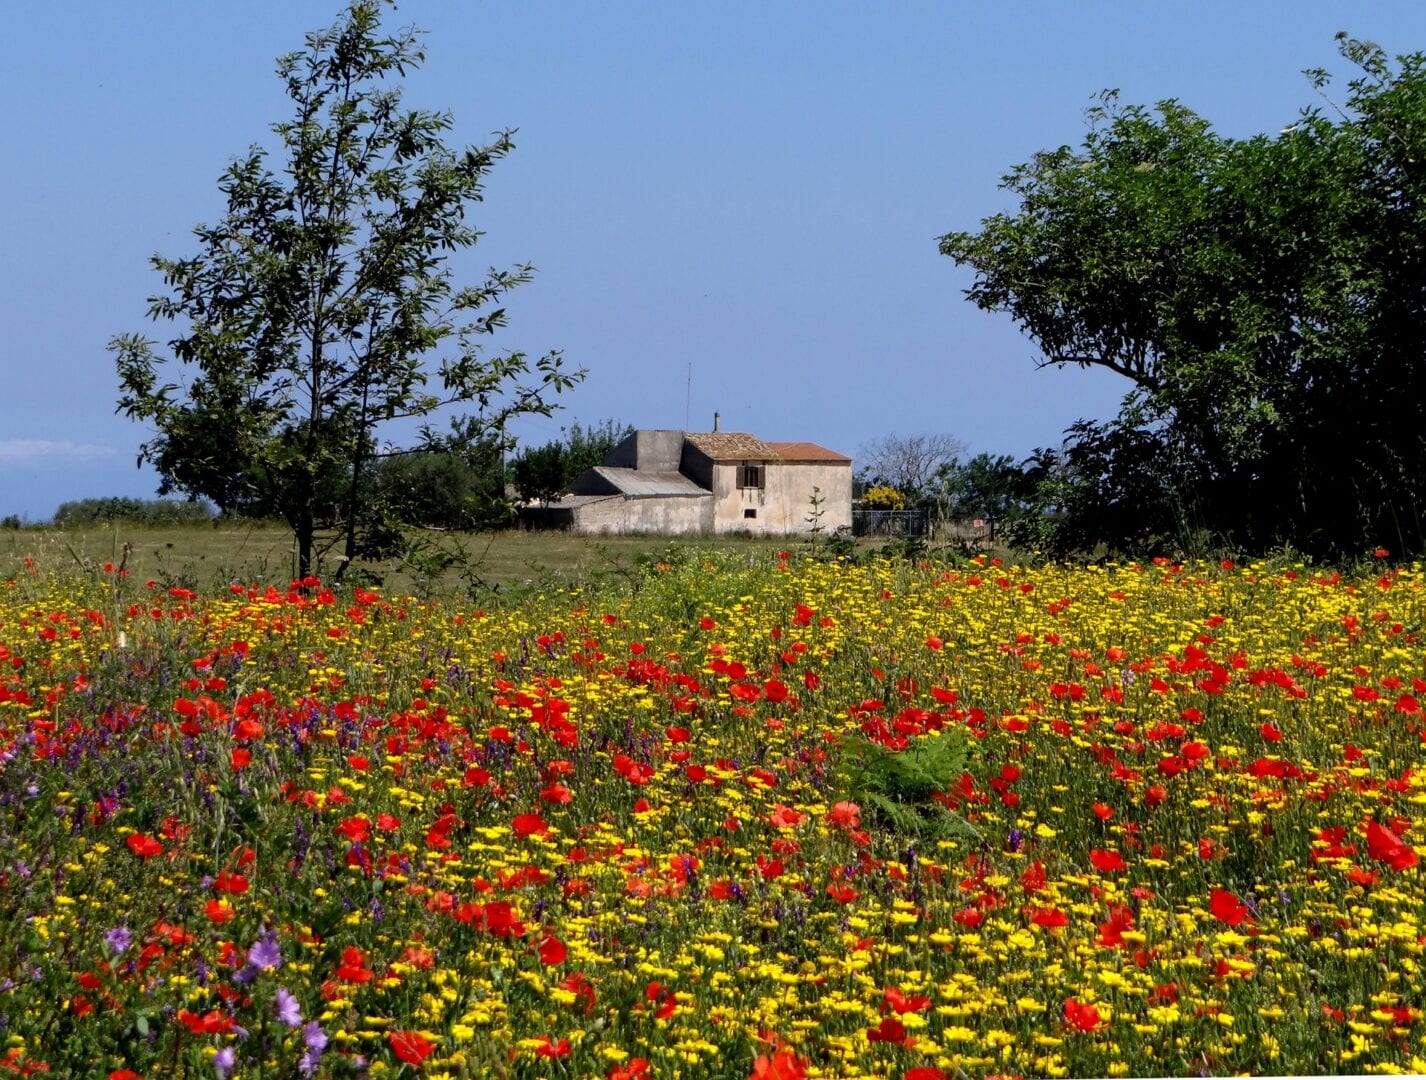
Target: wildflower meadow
[(1165, 822)]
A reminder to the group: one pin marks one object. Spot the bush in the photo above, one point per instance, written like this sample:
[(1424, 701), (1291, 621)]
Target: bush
[(134, 512)]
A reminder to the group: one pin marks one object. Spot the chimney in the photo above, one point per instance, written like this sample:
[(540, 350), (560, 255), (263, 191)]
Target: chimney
[(716, 426)]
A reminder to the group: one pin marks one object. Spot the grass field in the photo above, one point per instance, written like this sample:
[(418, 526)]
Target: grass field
[(208, 556)]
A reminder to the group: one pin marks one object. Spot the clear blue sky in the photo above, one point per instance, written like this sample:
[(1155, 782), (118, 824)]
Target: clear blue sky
[(751, 188)]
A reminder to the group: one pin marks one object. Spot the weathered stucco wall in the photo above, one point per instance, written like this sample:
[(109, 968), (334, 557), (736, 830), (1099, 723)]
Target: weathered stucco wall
[(670, 515), (782, 504), (655, 450), (789, 490)]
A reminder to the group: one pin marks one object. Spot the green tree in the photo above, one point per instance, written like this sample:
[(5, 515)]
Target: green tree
[(543, 473), (1261, 296), (540, 473), (988, 486), (312, 313), (442, 490)]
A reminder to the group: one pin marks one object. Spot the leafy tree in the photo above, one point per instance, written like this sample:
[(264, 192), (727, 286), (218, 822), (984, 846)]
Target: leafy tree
[(540, 473), (586, 447), (442, 490), (543, 473), (1262, 297), (308, 317), (986, 486)]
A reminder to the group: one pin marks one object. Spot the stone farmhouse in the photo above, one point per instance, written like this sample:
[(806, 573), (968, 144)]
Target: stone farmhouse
[(678, 483)]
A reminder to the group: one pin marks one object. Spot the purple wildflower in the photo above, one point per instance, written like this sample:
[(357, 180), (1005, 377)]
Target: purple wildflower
[(265, 954), (288, 1010), (315, 1040), (118, 939), (224, 1061)]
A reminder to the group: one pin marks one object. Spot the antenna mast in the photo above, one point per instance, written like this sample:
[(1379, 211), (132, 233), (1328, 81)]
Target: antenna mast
[(688, 396)]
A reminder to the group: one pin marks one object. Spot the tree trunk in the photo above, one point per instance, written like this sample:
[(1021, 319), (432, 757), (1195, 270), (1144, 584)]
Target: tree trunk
[(304, 529), (353, 506)]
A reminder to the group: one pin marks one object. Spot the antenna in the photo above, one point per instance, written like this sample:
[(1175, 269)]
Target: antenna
[(688, 397)]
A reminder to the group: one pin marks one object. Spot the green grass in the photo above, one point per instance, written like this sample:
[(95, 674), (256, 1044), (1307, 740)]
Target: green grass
[(263, 553)]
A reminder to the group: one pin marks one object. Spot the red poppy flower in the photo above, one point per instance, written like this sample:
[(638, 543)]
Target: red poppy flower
[(1050, 918), (900, 1002), (143, 845), (1080, 1016), (1226, 907), (529, 825), (890, 1030), (1107, 861), (549, 1048), (218, 911), (552, 951), (1383, 845), (783, 1065), (353, 967), (411, 1046)]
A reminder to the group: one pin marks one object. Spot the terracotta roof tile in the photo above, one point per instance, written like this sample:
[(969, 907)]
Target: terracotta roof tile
[(806, 451), (732, 446)]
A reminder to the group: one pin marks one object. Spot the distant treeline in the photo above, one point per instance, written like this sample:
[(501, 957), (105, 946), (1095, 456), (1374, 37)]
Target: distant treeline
[(134, 512), (474, 490)]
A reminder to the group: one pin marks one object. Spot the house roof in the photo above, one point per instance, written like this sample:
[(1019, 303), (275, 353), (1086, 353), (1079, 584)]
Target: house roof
[(648, 483), (731, 446), (807, 451)]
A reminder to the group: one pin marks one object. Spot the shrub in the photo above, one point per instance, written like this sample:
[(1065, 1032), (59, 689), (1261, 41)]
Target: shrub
[(133, 511)]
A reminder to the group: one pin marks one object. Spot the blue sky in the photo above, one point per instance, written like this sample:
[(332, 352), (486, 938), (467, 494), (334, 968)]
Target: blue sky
[(752, 189)]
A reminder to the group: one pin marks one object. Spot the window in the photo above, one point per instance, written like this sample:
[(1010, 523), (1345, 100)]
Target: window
[(750, 476), (750, 512)]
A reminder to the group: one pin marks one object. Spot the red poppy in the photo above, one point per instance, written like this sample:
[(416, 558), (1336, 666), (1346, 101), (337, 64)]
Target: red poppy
[(900, 1002), (783, 1065), (1081, 1016), (218, 911), (411, 1046), (529, 825), (1226, 907), (1050, 918), (1107, 861), (353, 967), (552, 951), (210, 1023), (549, 1048), (923, 1072), (1383, 845), (890, 1030), (143, 845), (784, 817), (663, 997)]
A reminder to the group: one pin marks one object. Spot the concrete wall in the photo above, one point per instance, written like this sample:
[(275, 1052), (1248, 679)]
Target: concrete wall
[(673, 515), (782, 504), (697, 466), (651, 450)]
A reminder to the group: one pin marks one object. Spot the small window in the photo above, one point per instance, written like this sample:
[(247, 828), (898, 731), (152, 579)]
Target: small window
[(750, 476), (750, 513)]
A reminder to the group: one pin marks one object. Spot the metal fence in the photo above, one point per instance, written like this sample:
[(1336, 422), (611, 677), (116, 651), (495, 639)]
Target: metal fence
[(891, 522), (919, 523)]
